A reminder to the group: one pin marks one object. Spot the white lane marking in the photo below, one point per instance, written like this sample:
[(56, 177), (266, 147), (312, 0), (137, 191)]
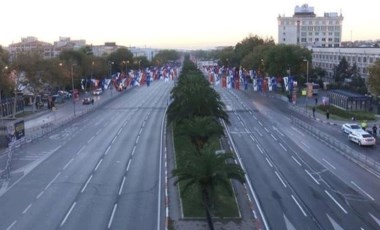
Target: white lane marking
[(299, 206), (299, 132), (376, 219), (252, 138), (81, 149), (308, 173), (265, 128), (138, 138), (273, 137), (26, 209), (68, 163), (270, 164), (362, 190), (97, 166), (305, 145), (52, 181), (260, 149), (140, 131), (283, 147), (242, 124), (85, 186), (332, 166), (278, 131), (254, 117), (336, 202), (114, 139), (260, 123), (68, 214), (97, 132), (39, 195), (129, 164), (133, 150), (335, 225), (108, 149), (283, 183), (118, 133), (89, 141), (11, 225), (296, 161), (121, 186), (112, 215)]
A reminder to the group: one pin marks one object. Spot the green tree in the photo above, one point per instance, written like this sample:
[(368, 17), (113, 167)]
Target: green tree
[(164, 56), (374, 78), (200, 130), (122, 58), (342, 71), (206, 171), (5, 84)]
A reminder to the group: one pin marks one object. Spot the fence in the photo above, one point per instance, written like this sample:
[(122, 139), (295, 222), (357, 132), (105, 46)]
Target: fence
[(340, 147)]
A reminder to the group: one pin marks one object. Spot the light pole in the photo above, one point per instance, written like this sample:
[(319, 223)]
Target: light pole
[(72, 87), (307, 70)]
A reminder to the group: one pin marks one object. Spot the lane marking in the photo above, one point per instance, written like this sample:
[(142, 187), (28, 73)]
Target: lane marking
[(308, 173), (85, 186), (112, 215), (114, 139), (108, 149), (362, 190), (336, 202), (269, 162), (26, 209), (260, 149), (296, 161), (97, 166), (299, 206), (68, 163), (260, 123), (129, 163), (283, 147), (52, 181), (137, 140), (68, 214), (332, 166), (273, 137), (133, 150), (283, 183), (122, 185), (39, 195), (81, 149), (11, 225), (89, 141)]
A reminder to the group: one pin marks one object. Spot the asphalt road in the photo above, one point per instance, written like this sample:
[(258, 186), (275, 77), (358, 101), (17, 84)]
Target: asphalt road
[(300, 182), (101, 172)]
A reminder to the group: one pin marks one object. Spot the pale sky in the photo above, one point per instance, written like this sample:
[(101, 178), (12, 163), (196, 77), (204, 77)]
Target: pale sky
[(171, 24)]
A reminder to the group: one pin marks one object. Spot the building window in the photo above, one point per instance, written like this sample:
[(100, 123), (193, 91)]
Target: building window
[(336, 39), (330, 39), (316, 33), (370, 60), (323, 39), (316, 39), (303, 39), (310, 33)]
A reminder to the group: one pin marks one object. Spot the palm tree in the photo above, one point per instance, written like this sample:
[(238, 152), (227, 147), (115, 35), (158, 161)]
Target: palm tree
[(200, 130), (206, 171)]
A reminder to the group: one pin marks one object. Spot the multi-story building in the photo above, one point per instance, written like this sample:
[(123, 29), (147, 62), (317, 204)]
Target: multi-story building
[(329, 58), (307, 29), (30, 44)]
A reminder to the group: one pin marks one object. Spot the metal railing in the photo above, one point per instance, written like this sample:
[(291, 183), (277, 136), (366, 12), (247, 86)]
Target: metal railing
[(340, 147)]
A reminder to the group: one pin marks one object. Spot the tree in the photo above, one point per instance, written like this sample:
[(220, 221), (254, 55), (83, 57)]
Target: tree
[(342, 71), (122, 58), (206, 171), (164, 56), (200, 130), (374, 78), (5, 84)]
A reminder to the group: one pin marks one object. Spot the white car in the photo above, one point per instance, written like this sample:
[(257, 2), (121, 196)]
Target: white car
[(361, 137), (350, 127), (97, 91)]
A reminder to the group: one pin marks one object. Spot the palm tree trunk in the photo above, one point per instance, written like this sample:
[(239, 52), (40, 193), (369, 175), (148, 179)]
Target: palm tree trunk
[(205, 198)]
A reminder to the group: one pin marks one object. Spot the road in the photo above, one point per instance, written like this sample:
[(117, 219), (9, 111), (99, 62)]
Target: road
[(100, 172), (300, 182)]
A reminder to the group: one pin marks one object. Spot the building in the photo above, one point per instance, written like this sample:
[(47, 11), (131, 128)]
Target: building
[(307, 29), (30, 44), (329, 58)]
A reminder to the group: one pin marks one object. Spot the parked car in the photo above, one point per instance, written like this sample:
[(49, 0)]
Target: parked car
[(350, 127), (97, 92), (88, 100), (361, 137)]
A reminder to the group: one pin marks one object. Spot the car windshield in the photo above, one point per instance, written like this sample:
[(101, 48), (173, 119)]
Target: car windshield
[(355, 127)]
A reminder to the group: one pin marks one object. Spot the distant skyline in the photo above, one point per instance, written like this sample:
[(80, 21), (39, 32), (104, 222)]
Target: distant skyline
[(171, 24)]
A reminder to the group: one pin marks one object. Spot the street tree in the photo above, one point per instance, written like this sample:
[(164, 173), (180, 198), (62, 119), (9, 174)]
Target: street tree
[(374, 78), (206, 171), (164, 56)]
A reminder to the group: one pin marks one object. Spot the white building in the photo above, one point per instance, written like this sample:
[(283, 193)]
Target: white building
[(329, 58), (306, 29)]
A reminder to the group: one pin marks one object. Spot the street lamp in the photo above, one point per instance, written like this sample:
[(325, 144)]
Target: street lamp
[(307, 70)]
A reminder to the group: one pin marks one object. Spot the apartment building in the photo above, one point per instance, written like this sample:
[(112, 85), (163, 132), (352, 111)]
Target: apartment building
[(305, 28), (328, 58)]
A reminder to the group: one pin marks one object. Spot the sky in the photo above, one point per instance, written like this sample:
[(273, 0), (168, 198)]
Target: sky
[(171, 24)]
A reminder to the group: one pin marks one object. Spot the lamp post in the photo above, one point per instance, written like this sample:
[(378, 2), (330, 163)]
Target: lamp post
[(307, 70), (72, 87)]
